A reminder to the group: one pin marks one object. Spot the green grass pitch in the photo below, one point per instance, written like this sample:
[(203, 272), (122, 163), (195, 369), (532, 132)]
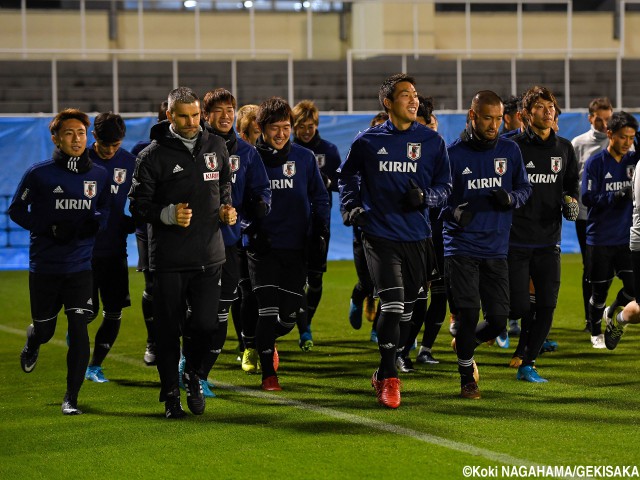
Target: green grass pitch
[(326, 422)]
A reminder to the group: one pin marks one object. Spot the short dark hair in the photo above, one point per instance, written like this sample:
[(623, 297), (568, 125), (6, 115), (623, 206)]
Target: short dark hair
[(485, 97), (512, 105), (109, 127), (272, 110), (620, 120), (213, 97), (389, 85), (602, 103), (67, 114), (181, 95), (380, 117), (162, 111), (536, 93), (425, 108)]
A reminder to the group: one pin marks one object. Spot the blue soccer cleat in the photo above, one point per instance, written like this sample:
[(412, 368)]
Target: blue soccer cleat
[(529, 374), (374, 336), (95, 374), (549, 346), (355, 315), (206, 391), (503, 340), (306, 341)]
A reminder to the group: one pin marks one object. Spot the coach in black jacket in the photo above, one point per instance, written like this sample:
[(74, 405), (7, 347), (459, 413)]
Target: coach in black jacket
[(182, 189)]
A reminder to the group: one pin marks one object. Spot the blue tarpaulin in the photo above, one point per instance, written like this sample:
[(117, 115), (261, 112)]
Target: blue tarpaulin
[(26, 140)]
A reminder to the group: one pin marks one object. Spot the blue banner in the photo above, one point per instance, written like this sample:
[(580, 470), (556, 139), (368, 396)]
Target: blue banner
[(24, 141)]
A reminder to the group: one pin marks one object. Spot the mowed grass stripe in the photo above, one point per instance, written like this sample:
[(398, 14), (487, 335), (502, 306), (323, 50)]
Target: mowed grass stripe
[(336, 414)]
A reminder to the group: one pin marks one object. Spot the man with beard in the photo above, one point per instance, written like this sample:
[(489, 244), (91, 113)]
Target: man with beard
[(181, 187)]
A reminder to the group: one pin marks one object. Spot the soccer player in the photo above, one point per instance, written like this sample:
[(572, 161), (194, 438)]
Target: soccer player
[(181, 187), (607, 194), (250, 196), (306, 119), (109, 262), (393, 173), (246, 124), (512, 116), (489, 182), (298, 220), (620, 317), (585, 145), (534, 244), (63, 202)]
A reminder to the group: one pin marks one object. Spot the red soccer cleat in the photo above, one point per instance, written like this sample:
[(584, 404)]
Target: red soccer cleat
[(390, 393), (270, 384)]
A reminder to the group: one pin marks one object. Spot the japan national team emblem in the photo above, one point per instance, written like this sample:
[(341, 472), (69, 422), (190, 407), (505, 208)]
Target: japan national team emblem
[(414, 151), (556, 164), (500, 165), (211, 160), (119, 175), (630, 170), (320, 160), (289, 169), (89, 188), (234, 162)]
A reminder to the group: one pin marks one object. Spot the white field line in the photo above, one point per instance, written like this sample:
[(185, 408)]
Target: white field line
[(346, 417)]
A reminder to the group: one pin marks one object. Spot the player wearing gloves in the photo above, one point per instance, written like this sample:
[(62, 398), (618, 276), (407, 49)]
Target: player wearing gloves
[(63, 202), (393, 173), (534, 244), (607, 194), (489, 182)]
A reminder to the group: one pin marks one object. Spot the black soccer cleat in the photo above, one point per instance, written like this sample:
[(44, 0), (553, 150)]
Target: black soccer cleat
[(70, 405), (29, 356), (173, 408), (195, 396)]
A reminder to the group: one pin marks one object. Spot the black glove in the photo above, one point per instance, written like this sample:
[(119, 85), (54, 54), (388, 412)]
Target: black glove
[(62, 232), (88, 228), (317, 254), (413, 198), (462, 216), (500, 198), (129, 224), (622, 195), (259, 242), (260, 209), (570, 208), (358, 217)]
